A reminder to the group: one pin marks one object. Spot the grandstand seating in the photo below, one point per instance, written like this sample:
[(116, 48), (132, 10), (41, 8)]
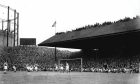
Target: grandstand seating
[(22, 55)]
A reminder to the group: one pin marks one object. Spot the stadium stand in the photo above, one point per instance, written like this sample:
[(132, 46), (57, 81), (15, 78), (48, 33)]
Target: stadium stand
[(22, 55), (109, 61)]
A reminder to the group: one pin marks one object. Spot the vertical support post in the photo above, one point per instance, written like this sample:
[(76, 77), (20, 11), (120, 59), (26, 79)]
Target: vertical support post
[(55, 54), (17, 29), (81, 64), (4, 32), (14, 27), (8, 27), (2, 24), (59, 63)]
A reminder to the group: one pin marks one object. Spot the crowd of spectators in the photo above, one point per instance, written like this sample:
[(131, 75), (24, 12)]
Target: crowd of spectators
[(115, 66), (30, 55), (44, 58)]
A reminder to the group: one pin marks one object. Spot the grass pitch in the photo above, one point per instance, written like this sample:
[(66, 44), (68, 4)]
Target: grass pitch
[(68, 78)]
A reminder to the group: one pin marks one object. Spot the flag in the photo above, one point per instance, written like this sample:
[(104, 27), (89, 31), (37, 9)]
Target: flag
[(54, 24)]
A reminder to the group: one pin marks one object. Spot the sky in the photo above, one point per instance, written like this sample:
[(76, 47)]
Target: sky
[(37, 16)]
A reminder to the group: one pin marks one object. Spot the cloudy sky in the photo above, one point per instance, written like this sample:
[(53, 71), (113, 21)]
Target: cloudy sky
[(37, 16)]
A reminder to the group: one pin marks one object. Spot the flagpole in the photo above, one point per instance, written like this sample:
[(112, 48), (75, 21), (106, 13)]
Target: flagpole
[(55, 46), (54, 25)]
